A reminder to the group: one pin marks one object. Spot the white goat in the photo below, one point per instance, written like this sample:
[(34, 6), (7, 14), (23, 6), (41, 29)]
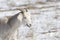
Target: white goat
[(7, 28)]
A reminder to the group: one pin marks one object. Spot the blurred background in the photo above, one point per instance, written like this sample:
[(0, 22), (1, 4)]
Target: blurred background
[(45, 16)]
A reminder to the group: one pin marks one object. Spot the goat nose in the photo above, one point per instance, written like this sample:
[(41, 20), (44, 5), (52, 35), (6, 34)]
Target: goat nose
[(29, 25)]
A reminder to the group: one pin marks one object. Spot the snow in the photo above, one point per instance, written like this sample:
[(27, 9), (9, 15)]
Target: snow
[(44, 24)]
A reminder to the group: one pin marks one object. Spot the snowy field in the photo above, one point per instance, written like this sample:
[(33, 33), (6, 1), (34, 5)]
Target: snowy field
[(45, 19)]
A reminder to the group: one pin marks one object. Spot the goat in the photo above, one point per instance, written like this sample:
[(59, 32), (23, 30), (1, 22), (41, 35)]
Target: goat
[(7, 28)]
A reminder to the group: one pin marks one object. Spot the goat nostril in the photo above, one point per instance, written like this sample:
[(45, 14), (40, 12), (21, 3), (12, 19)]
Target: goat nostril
[(29, 25)]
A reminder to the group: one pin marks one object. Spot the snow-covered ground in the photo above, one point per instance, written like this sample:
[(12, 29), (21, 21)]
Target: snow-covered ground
[(45, 19)]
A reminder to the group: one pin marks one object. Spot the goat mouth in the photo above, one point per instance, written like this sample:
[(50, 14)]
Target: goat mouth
[(29, 25)]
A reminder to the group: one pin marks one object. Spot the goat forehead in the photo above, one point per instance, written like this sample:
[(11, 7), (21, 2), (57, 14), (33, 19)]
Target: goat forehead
[(27, 16), (26, 13)]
